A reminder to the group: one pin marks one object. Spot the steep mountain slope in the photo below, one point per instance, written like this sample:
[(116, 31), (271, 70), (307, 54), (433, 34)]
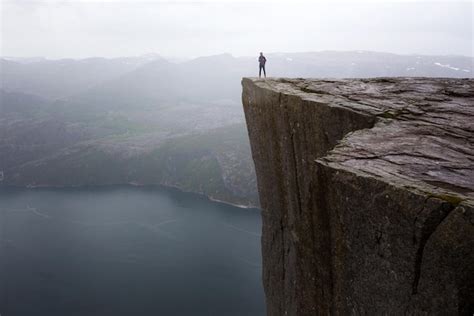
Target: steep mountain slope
[(216, 163), (196, 148)]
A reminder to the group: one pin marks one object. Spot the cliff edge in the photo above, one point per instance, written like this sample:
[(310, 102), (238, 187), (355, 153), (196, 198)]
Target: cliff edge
[(367, 194)]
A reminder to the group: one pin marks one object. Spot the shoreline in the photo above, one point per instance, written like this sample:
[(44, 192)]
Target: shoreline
[(132, 184)]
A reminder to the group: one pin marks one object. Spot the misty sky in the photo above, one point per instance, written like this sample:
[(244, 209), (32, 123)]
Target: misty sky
[(111, 28)]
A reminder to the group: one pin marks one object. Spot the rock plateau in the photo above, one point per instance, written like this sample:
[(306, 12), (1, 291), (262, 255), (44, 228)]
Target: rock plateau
[(367, 194)]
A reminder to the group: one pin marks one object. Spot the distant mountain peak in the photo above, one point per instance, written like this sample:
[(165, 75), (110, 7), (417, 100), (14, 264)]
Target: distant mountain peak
[(150, 56)]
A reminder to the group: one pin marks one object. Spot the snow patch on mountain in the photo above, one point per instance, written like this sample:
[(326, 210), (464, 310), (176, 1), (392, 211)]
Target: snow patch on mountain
[(446, 66)]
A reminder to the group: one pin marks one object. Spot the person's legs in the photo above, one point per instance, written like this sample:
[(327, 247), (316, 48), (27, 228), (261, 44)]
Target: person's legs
[(260, 71), (264, 72)]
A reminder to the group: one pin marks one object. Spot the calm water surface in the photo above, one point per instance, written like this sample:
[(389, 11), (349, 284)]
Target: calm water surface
[(127, 251)]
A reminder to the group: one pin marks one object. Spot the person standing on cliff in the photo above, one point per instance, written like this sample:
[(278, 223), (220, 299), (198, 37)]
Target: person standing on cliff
[(261, 62)]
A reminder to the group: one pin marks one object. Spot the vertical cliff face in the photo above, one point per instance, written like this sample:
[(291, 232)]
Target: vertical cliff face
[(366, 189)]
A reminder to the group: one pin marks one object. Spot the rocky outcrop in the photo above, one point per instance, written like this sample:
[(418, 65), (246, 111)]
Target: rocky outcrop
[(366, 188)]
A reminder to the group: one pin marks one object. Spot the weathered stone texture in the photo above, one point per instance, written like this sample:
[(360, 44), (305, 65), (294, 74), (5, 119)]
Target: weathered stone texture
[(367, 194)]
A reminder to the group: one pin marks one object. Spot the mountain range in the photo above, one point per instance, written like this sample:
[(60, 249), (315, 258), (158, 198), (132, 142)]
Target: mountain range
[(146, 120)]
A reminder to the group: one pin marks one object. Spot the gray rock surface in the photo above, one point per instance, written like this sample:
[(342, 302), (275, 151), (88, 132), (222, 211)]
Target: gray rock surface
[(367, 194)]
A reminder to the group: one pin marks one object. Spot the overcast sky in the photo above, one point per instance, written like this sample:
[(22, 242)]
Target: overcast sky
[(111, 28)]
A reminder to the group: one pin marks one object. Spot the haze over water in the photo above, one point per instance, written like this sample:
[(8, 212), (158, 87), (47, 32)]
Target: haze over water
[(124, 250)]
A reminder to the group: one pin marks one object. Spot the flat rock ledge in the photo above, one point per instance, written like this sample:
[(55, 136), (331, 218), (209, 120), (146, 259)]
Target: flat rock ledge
[(367, 194)]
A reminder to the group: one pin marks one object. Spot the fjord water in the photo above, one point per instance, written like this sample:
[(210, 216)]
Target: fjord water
[(125, 250)]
